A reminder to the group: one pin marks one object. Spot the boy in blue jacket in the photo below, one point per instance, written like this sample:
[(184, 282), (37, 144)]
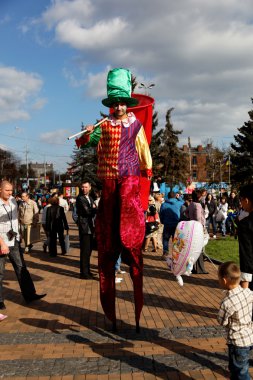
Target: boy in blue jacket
[(169, 217)]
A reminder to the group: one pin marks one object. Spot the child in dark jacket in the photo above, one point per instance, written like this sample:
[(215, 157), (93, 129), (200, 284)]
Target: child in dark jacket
[(245, 236)]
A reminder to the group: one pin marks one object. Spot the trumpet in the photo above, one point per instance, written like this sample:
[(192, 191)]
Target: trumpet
[(85, 130)]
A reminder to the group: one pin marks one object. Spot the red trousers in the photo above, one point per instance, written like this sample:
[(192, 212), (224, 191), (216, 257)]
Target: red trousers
[(120, 229)]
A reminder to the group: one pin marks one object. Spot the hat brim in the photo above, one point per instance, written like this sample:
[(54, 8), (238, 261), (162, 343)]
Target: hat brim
[(130, 102)]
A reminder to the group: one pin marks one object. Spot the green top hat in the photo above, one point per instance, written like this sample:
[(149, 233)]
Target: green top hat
[(119, 88)]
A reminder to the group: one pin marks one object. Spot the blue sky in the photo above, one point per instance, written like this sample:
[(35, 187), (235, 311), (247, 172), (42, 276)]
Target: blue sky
[(55, 55)]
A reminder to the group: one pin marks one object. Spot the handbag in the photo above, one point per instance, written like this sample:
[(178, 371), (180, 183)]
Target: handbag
[(220, 216), (67, 243), (151, 227)]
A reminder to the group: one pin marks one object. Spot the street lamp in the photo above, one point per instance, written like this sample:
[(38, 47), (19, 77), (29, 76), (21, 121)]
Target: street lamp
[(146, 87)]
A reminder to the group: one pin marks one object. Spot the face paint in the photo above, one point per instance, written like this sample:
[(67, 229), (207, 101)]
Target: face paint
[(120, 110)]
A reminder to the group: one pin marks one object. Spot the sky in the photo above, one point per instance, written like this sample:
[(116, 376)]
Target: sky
[(55, 56)]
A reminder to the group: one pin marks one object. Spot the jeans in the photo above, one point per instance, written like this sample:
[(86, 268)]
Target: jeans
[(222, 226), (23, 276), (168, 232), (211, 220), (239, 362)]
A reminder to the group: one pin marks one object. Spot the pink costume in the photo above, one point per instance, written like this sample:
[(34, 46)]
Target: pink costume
[(123, 153)]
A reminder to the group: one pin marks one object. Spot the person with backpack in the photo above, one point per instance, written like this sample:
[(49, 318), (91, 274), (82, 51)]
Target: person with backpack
[(56, 223)]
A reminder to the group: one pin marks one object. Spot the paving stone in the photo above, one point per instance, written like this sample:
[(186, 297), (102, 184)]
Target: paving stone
[(66, 335)]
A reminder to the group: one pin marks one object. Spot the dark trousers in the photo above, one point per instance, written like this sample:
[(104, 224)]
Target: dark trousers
[(199, 266), (85, 252), (53, 242), (211, 220), (238, 362), (168, 232), (23, 276)]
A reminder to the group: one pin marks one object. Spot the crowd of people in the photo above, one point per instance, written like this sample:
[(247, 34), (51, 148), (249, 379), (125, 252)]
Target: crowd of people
[(217, 213)]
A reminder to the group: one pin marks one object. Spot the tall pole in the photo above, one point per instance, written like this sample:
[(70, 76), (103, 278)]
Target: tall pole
[(229, 171), (190, 158), (220, 176), (45, 172), (27, 169)]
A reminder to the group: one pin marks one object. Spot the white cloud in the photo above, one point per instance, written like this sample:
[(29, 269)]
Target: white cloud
[(16, 89), (58, 136), (39, 103), (199, 54), (101, 34), (96, 84), (62, 10)]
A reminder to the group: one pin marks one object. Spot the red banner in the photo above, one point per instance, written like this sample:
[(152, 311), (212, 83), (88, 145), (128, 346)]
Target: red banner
[(144, 112)]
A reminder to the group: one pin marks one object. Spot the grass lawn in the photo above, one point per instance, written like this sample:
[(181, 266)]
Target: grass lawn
[(223, 249)]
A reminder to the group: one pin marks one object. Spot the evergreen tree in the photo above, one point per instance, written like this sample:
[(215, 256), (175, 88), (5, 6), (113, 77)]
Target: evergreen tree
[(23, 171), (84, 166), (8, 165), (242, 152), (133, 82), (172, 161), (155, 145)]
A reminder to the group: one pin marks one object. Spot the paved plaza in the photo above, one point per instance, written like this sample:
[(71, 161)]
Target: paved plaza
[(66, 336)]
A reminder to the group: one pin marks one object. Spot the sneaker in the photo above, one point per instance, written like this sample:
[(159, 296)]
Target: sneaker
[(214, 236), (118, 280), (180, 280)]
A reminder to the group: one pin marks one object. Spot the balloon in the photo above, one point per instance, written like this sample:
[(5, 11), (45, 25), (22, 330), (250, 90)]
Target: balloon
[(187, 245)]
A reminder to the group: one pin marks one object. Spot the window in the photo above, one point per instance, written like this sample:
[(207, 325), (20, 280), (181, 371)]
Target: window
[(194, 160), (194, 175)]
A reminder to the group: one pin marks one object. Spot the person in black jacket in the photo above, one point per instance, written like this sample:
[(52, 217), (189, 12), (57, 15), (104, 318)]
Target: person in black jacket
[(245, 236), (56, 223), (86, 210), (211, 207)]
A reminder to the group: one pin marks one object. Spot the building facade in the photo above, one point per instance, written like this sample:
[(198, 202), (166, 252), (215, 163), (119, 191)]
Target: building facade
[(206, 165), (41, 170)]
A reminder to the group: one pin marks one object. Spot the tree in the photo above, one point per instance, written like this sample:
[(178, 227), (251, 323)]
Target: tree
[(242, 152), (215, 162), (23, 171), (8, 165), (169, 160), (84, 166), (155, 146)]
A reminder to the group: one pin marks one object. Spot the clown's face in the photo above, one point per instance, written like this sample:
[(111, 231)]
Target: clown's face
[(120, 109)]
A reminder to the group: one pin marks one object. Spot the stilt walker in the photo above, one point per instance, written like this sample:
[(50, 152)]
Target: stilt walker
[(123, 156)]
